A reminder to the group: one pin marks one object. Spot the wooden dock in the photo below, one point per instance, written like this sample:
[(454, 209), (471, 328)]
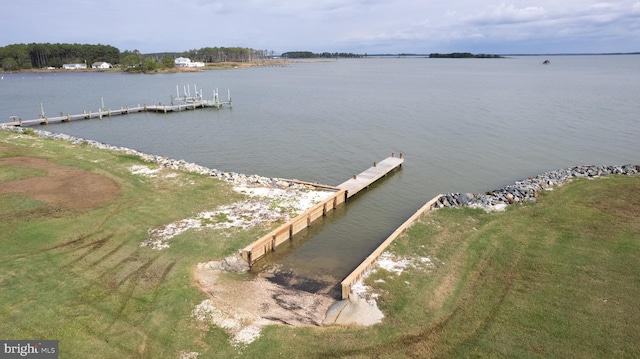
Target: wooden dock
[(184, 103), (269, 242), (374, 173)]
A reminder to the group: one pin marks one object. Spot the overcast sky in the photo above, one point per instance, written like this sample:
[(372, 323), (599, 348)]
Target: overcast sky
[(359, 26)]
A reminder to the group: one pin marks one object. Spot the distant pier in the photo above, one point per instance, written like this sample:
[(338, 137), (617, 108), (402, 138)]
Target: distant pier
[(178, 104)]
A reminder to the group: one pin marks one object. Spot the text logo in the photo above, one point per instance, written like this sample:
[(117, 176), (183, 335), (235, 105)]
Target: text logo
[(35, 349)]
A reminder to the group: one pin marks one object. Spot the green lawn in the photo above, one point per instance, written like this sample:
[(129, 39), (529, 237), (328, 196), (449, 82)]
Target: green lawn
[(556, 279)]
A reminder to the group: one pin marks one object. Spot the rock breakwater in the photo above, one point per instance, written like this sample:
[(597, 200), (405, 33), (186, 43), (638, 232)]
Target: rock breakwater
[(169, 163), (528, 190)]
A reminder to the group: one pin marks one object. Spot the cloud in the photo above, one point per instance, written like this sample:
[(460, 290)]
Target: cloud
[(506, 14), (414, 26)]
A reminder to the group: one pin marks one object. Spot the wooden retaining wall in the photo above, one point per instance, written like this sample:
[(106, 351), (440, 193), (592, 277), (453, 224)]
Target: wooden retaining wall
[(259, 248), (269, 242), (370, 260)]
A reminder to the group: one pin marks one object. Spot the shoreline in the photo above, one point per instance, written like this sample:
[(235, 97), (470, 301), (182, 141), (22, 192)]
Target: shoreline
[(174, 164), (528, 190), (210, 66), (362, 310)]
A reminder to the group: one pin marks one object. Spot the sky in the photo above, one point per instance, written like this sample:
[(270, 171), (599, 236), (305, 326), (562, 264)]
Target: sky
[(357, 26)]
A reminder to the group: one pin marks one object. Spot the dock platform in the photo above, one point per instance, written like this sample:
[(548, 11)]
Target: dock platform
[(374, 173), (184, 103)]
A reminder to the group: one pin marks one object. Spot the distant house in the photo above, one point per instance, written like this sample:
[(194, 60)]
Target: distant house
[(101, 65), (182, 62), (74, 66), (186, 62)]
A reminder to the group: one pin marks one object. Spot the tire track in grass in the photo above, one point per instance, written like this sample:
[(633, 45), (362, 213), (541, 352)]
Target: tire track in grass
[(93, 247)]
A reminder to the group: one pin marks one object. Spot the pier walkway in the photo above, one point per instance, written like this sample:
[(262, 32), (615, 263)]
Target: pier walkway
[(86, 115), (269, 242), (186, 102), (366, 178)]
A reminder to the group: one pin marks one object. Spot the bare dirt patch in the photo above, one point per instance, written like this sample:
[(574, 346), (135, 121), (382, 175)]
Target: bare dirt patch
[(62, 186), (244, 307)]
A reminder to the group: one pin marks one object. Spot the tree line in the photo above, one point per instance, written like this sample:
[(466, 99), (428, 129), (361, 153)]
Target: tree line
[(311, 55), (18, 57), (42, 55), (462, 55)]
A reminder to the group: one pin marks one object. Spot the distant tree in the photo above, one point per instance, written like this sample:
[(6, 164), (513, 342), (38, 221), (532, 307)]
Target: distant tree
[(40, 55), (132, 60), (9, 64), (462, 55), (299, 55), (311, 55), (19, 53), (168, 62), (150, 65)]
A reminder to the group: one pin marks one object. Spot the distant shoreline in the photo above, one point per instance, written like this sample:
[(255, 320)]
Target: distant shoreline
[(207, 67), (514, 54)]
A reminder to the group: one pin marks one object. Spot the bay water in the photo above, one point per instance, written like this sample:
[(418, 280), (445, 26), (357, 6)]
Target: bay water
[(463, 125)]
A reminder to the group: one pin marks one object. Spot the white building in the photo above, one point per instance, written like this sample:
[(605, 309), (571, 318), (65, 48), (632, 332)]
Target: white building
[(186, 62), (101, 65), (74, 66), (182, 62)]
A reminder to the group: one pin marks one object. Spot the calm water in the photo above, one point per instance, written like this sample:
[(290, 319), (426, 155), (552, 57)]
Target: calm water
[(463, 126)]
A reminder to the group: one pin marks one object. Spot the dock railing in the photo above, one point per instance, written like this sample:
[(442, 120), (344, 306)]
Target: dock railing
[(370, 260)]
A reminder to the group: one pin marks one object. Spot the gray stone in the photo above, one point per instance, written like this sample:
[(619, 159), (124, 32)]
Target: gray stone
[(234, 264)]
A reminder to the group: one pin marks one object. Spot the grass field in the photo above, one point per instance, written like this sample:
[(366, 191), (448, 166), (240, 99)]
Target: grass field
[(558, 278)]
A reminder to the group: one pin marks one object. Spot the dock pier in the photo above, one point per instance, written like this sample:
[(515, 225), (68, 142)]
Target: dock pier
[(184, 103), (343, 192), (365, 179)]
